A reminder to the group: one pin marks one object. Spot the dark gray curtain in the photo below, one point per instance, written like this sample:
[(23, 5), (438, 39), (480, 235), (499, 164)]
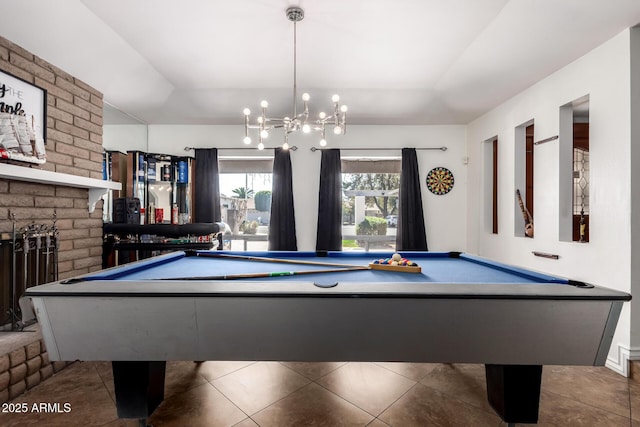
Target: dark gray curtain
[(411, 233), (207, 186), (282, 225), (329, 234)]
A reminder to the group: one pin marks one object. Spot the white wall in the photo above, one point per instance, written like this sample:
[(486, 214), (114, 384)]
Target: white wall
[(124, 138), (635, 188), (604, 75), (445, 215)]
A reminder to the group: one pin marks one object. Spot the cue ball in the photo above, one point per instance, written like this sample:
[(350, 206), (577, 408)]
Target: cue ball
[(396, 257)]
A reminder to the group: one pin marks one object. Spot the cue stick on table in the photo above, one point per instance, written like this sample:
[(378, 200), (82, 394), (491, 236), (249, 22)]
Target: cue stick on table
[(271, 274), (265, 259)]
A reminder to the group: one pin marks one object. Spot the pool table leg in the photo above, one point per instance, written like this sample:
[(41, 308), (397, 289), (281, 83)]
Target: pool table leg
[(139, 387), (514, 391)]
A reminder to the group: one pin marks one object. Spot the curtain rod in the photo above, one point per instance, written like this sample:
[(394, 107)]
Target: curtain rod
[(292, 148), (443, 148), (314, 149)]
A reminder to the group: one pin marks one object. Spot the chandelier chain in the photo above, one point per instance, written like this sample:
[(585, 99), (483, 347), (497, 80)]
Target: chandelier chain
[(299, 121), (295, 70)]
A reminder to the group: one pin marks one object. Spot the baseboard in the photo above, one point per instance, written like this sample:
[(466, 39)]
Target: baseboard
[(620, 363)]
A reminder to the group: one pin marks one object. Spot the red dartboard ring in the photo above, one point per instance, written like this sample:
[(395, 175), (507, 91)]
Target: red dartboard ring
[(440, 180)]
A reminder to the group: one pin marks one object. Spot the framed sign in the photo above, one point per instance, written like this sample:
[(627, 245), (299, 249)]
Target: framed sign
[(23, 120)]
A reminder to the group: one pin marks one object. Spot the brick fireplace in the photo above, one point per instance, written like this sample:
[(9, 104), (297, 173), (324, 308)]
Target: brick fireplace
[(73, 147)]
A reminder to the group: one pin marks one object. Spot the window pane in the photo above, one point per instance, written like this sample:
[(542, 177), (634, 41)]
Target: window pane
[(245, 204), (370, 211)]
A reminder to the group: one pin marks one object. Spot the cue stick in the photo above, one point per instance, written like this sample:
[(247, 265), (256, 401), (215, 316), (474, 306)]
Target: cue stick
[(272, 274), (265, 259)]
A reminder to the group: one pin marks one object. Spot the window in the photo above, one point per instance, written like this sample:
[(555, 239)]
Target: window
[(370, 204), (245, 202)]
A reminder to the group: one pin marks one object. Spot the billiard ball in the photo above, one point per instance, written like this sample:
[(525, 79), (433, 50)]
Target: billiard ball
[(396, 257)]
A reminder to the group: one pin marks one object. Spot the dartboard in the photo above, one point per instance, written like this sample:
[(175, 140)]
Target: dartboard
[(440, 181)]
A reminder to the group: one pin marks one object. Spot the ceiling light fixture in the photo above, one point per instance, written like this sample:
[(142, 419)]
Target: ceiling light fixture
[(300, 121)]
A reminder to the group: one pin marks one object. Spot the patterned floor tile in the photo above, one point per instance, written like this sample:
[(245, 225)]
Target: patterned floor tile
[(367, 385), (257, 386)]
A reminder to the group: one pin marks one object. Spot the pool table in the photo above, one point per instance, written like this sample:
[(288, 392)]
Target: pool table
[(459, 309)]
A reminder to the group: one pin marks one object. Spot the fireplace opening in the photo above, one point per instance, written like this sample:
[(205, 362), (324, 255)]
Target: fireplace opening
[(28, 257)]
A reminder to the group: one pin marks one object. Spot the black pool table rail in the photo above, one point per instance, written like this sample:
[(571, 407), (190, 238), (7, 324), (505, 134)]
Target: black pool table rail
[(339, 290)]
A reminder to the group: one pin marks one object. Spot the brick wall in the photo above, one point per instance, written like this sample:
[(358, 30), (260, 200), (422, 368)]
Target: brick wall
[(74, 146), (24, 368)]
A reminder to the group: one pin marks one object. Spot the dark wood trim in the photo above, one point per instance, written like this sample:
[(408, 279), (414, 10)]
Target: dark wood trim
[(581, 136), (529, 169), (495, 187)]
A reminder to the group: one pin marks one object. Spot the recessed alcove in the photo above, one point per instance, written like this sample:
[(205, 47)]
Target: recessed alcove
[(574, 169), (523, 177)]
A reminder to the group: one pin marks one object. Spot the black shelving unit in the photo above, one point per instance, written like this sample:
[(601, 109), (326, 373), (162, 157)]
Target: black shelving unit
[(125, 243), (162, 183)]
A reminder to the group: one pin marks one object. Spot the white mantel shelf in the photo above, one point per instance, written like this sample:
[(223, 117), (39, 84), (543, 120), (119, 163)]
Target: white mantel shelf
[(97, 187)]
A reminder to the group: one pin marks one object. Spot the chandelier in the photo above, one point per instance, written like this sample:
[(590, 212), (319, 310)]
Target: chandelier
[(298, 121)]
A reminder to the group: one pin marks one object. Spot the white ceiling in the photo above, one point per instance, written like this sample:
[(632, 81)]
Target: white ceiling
[(392, 62)]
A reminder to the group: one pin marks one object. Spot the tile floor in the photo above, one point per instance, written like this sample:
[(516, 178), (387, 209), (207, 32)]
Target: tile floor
[(279, 394)]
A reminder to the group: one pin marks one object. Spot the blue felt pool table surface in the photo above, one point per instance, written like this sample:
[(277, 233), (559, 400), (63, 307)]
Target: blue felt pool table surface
[(437, 267), (443, 274)]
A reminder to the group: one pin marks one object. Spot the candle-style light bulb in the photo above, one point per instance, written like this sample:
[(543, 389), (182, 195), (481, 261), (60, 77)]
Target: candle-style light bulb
[(247, 140)]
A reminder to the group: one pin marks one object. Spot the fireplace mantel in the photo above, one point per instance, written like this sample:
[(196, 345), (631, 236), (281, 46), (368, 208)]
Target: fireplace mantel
[(97, 187)]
